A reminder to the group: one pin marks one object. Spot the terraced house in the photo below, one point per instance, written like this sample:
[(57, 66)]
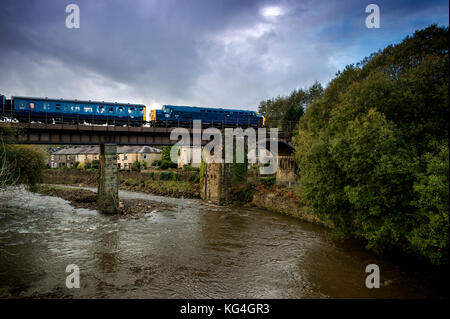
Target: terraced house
[(84, 155)]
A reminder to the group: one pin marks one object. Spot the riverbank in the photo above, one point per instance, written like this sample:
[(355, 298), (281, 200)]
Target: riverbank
[(182, 184), (83, 198), (284, 201), (173, 183)]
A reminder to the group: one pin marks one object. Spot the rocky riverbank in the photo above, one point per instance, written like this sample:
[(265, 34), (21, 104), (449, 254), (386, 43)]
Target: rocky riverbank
[(128, 208), (180, 184)]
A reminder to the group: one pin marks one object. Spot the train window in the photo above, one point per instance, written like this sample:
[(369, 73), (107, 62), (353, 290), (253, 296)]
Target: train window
[(120, 109), (58, 106), (111, 109), (31, 105), (22, 105), (132, 109), (88, 109)]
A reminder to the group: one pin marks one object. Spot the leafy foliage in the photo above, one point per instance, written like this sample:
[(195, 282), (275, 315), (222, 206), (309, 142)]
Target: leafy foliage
[(26, 163), (282, 111), (372, 152)]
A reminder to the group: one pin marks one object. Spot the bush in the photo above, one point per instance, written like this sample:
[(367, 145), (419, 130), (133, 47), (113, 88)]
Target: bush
[(168, 164), (268, 180), (75, 165), (136, 166), (189, 168), (131, 182), (156, 163), (169, 176), (194, 178), (95, 164), (243, 193), (25, 163)]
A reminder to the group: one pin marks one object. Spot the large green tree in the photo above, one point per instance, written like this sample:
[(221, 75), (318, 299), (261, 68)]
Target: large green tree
[(371, 153), (283, 110)]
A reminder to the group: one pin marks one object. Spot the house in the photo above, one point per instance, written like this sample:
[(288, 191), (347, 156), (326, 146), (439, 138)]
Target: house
[(126, 156)]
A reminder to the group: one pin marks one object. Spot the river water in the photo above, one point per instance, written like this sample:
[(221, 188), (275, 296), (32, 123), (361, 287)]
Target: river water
[(194, 250)]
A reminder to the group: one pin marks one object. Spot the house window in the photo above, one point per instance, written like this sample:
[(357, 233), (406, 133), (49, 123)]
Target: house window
[(52, 157), (125, 157), (145, 156), (125, 165), (68, 157), (95, 157)]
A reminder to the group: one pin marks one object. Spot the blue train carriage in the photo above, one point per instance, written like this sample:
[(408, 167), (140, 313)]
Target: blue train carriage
[(74, 111), (173, 115)]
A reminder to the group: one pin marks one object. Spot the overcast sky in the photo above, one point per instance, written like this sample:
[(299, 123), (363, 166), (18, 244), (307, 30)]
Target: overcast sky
[(229, 53)]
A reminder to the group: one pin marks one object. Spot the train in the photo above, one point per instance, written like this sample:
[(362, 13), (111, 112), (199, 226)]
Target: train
[(60, 111)]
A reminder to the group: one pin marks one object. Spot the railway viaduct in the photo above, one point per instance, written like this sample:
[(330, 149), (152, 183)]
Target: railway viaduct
[(217, 179)]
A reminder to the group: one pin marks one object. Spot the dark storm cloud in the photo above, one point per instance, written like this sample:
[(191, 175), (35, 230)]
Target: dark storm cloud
[(224, 53)]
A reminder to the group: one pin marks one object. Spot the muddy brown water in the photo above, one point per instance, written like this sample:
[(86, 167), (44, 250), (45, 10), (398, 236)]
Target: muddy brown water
[(194, 250)]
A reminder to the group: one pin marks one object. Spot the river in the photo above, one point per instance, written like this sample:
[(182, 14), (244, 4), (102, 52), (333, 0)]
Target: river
[(194, 250)]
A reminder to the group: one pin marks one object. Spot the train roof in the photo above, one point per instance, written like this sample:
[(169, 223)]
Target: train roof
[(199, 109), (74, 101)]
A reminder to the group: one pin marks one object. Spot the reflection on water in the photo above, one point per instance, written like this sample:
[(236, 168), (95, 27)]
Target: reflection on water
[(197, 250)]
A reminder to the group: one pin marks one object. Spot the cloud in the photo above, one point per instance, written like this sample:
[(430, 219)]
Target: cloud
[(217, 53)]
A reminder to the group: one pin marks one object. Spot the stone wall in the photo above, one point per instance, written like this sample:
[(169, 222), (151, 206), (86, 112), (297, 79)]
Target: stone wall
[(286, 170), (279, 204), (217, 183)]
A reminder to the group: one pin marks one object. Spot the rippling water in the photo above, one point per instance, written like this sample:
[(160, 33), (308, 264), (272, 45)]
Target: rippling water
[(195, 250)]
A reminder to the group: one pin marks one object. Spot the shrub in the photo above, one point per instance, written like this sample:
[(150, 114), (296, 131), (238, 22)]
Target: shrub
[(156, 163), (136, 166), (168, 164), (25, 163), (243, 193), (189, 168), (268, 180), (95, 164), (131, 182), (75, 165)]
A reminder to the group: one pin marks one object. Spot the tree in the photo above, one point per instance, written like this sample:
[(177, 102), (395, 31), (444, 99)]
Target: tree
[(136, 166), (275, 110), (165, 154), (291, 117), (371, 150)]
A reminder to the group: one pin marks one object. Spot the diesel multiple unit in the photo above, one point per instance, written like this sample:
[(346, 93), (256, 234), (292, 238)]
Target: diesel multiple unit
[(26, 109)]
